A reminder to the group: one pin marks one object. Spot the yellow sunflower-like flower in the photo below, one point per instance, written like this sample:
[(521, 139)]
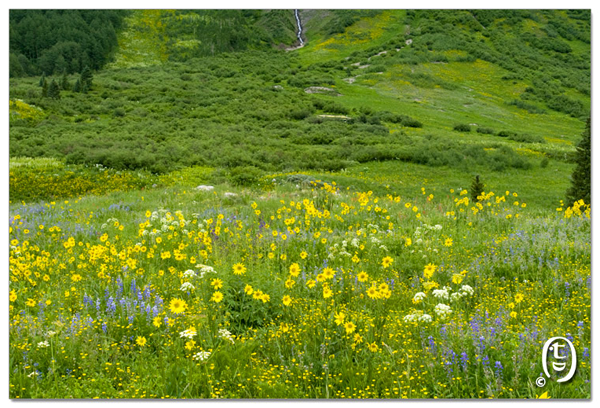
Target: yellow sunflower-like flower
[(350, 327), (217, 297), (177, 306), (429, 270), (294, 269), (387, 261), (239, 269)]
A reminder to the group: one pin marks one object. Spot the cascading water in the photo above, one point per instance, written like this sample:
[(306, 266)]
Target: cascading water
[(299, 28)]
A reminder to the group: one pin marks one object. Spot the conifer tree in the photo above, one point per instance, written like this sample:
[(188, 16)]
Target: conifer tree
[(581, 179), (42, 79), (86, 79), (77, 86), (54, 90), (44, 88), (477, 187), (64, 82)]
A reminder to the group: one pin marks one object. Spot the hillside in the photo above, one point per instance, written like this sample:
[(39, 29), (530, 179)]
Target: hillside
[(436, 88)]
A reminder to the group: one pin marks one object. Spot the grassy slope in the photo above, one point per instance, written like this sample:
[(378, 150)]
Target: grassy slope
[(454, 92)]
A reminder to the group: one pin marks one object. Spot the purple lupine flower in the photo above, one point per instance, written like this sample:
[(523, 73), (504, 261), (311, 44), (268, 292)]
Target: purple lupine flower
[(499, 369), (431, 344), (104, 327), (110, 305), (586, 353), (485, 361), (464, 359), (120, 288)]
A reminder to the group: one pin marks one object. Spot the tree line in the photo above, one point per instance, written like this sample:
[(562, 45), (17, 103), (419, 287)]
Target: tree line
[(57, 41)]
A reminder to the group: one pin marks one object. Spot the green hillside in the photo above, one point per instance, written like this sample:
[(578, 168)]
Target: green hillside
[(483, 91)]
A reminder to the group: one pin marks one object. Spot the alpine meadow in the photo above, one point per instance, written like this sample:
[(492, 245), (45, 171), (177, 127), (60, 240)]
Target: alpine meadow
[(300, 204)]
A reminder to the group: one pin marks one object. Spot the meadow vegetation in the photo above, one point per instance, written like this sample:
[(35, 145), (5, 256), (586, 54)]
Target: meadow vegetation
[(217, 217)]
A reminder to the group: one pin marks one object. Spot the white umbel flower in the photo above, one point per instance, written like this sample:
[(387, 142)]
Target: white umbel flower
[(425, 318), (441, 293), (443, 310), (419, 297), (188, 334), (201, 355), (187, 286)]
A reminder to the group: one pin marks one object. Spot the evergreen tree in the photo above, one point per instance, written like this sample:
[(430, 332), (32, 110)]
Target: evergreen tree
[(77, 86), (581, 179), (64, 82), (44, 88), (42, 79), (477, 187), (86, 79), (54, 90)]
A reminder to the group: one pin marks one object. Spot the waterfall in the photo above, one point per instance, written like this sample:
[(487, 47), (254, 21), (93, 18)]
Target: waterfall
[(299, 27)]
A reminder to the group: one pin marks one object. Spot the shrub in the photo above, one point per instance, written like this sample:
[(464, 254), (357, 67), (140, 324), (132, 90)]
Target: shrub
[(244, 176), (485, 130), (462, 127), (506, 133)]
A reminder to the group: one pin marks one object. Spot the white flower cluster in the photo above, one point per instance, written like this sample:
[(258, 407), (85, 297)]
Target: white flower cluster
[(188, 334), (189, 274), (442, 293), (226, 334), (443, 310), (43, 344), (186, 287), (419, 296), (201, 355), (418, 316), (205, 269), (465, 290)]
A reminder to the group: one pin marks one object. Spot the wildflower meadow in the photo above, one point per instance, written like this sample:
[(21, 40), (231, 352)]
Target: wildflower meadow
[(297, 291)]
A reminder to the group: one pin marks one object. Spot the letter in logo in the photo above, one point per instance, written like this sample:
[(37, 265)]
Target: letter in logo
[(555, 344)]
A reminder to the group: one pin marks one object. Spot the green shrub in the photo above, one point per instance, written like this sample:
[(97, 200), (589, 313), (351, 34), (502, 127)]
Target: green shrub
[(485, 130), (462, 127), (244, 176)]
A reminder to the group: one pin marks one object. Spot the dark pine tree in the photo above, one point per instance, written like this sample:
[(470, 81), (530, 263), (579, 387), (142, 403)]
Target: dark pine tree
[(77, 86), (44, 88), (42, 79), (476, 189), (86, 79), (581, 179), (64, 82), (54, 90)]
